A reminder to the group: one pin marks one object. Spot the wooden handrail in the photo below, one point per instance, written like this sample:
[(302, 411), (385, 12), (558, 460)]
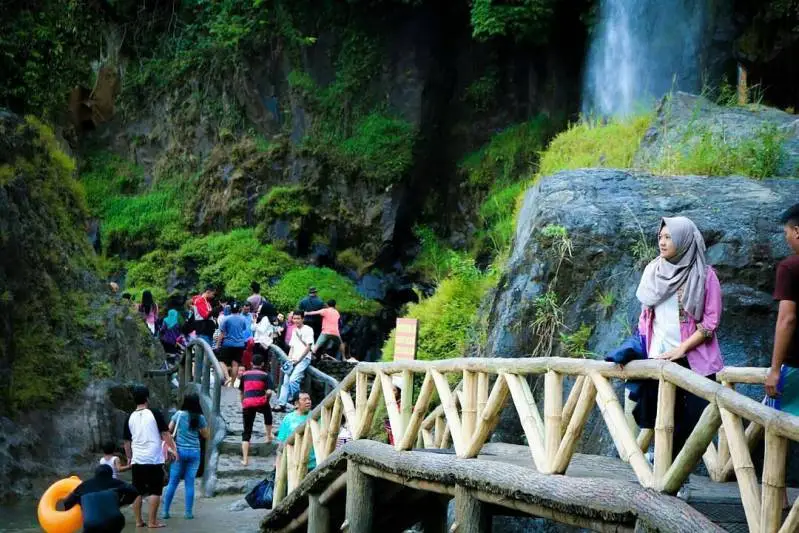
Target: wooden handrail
[(467, 415)]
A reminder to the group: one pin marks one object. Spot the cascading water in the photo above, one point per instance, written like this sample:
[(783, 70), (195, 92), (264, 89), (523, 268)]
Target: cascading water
[(640, 50)]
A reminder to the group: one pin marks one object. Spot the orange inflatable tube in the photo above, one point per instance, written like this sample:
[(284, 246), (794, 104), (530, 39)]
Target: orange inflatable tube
[(50, 518)]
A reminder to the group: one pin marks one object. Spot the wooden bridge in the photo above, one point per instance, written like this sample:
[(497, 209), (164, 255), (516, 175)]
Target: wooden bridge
[(442, 452)]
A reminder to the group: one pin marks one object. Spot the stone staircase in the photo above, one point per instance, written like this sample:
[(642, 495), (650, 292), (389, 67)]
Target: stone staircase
[(233, 478)]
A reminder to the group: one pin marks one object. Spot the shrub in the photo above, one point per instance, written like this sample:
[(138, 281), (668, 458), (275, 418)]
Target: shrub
[(152, 271), (447, 319), (293, 287), (434, 259), (231, 261), (592, 144), (497, 219), (353, 260)]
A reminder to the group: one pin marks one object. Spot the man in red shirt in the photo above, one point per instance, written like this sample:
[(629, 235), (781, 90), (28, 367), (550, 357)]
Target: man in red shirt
[(782, 382), (202, 314), (330, 336)]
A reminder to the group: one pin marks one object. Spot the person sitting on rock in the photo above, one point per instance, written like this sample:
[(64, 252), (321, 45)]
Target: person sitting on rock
[(681, 309), (330, 338), (100, 499)]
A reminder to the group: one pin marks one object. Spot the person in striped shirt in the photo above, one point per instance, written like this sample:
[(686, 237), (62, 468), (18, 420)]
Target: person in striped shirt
[(256, 387)]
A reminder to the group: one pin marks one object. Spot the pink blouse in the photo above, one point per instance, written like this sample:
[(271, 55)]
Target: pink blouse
[(705, 359)]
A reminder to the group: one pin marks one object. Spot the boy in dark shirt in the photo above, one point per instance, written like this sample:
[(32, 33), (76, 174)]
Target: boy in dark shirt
[(100, 499), (782, 381)]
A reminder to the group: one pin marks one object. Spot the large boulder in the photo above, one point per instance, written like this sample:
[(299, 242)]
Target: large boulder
[(683, 120), (611, 218)]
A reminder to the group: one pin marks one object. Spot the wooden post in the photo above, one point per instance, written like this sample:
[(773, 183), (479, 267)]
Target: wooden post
[(361, 393), (754, 432), (743, 86), (791, 524), (319, 446), (692, 451), (470, 514), (392, 408), (527, 417), (553, 414), (664, 430), (291, 467), (318, 516), (349, 411), (613, 414), (724, 448), (644, 438), (360, 500), (773, 482), (281, 479), (576, 424), (571, 402), (440, 426), (744, 469), (406, 401), (488, 417), (469, 404), (419, 410), (482, 392), (371, 405), (335, 425), (451, 411), (304, 453)]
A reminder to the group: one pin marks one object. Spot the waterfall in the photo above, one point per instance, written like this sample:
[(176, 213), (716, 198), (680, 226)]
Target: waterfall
[(640, 50)]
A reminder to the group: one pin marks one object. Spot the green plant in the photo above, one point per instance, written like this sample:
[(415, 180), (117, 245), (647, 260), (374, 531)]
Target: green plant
[(575, 344), (547, 323), (497, 219), (595, 144), (480, 93), (381, 146), (293, 287), (433, 260), (708, 151), (606, 300), (557, 239), (519, 19)]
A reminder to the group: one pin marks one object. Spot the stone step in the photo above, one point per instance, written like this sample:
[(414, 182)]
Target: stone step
[(258, 448), (230, 467), (236, 485)]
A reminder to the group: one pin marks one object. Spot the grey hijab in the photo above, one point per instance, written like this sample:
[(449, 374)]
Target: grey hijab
[(663, 277)]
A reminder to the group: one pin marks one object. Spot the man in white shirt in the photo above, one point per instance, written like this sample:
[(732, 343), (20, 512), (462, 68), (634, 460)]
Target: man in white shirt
[(145, 433), (300, 344)]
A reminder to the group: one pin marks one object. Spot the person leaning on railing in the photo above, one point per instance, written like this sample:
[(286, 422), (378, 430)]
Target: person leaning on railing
[(782, 381), (681, 299)]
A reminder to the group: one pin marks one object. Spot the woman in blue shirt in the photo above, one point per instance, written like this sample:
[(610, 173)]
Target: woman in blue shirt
[(187, 425)]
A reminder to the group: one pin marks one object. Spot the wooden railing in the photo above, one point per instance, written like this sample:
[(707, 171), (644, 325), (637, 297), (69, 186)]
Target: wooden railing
[(466, 417)]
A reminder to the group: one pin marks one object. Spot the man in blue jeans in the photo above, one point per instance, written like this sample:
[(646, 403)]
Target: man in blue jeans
[(300, 343)]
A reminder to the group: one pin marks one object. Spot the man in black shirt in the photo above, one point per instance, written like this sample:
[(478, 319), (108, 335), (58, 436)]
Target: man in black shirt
[(312, 302), (100, 499), (782, 380)]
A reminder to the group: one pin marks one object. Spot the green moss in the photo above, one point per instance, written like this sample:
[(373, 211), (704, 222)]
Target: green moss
[(509, 154), (590, 144), (381, 147), (284, 202), (293, 287), (42, 306)]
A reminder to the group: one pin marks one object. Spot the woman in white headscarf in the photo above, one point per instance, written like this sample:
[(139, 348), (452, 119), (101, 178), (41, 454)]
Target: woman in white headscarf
[(681, 310)]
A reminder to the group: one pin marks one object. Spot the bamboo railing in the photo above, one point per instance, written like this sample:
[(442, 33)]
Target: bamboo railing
[(465, 418)]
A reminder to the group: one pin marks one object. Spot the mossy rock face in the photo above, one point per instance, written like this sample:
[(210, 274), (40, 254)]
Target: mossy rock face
[(55, 332)]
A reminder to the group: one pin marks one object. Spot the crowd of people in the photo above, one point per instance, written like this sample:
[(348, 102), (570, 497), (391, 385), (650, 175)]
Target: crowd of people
[(681, 302)]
